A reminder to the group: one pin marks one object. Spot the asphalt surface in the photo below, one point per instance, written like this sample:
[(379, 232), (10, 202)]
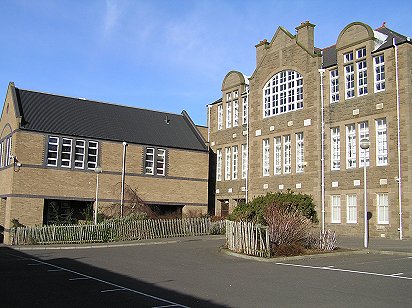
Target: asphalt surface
[(192, 272)]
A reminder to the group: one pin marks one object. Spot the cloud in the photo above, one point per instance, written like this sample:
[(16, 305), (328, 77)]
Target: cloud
[(111, 18)]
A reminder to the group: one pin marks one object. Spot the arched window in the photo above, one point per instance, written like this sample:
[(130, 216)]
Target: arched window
[(283, 93)]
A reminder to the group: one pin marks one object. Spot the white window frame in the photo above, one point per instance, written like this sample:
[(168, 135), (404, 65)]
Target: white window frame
[(8, 156), (228, 114), (350, 146), (334, 85), (161, 162), (283, 93), (227, 163), (335, 148), (235, 113), (53, 144), (66, 153), (351, 209), (266, 157), (349, 81), (348, 57), (379, 73), (244, 161), (362, 71), (363, 134), (381, 142), (335, 209), (79, 153), (287, 154), (300, 153), (244, 110), (361, 53), (219, 165), (235, 161), (382, 204), (277, 159), (235, 94), (219, 117), (92, 157), (149, 161), (1, 154)]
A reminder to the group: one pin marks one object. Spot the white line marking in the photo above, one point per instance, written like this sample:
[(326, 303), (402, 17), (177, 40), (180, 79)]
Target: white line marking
[(398, 274), (164, 306), (344, 270), (33, 264), (110, 283), (78, 278), (112, 290), (54, 270)]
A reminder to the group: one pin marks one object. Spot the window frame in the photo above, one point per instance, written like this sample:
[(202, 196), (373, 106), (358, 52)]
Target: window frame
[(91, 164), (228, 162), (300, 153), (160, 161), (219, 165), (245, 108), (334, 85), (381, 142), (266, 157), (76, 146), (362, 75), (382, 208), (277, 158), (244, 161), (351, 209), (379, 71), (336, 217), (1, 154), (351, 145), (287, 154), (335, 148), (235, 162), (235, 106), (349, 81), (220, 117), (66, 153), (57, 151), (363, 128)]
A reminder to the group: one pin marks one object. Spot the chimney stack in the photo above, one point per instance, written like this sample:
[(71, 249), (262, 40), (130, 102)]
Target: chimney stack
[(260, 50), (305, 35)]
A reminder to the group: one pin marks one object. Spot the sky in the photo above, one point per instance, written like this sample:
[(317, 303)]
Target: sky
[(158, 54)]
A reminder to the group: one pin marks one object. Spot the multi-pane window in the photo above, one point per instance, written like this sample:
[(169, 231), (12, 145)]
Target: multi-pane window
[(235, 94), (220, 117), (350, 146), (218, 165), (160, 162), (334, 86), (149, 160), (287, 154), (348, 57), (278, 155), (351, 209), (244, 160), (66, 153), (283, 93), (266, 157), (92, 153), (300, 157), (235, 113), (335, 148), (335, 202), (363, 134), (381, 143), (379, 69), (79, 154), (362, 78), (349, 81), (228, 114), (53, 151), (227, 163), (383, 208), (244, 110), (1, 154), (7, 152), (235, 162), (361, 53)]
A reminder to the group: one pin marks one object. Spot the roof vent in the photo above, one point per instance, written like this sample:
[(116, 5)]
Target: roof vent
[(167, 120), (82, 98)]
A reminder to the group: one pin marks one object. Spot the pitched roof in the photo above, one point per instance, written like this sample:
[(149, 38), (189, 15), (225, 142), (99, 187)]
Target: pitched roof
[(55, 114)]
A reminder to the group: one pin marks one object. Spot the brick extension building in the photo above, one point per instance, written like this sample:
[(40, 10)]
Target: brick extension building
[(266, 129), (50, 146)]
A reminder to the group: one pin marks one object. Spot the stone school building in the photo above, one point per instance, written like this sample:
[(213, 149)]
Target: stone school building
[(51, 147), (298, 121)]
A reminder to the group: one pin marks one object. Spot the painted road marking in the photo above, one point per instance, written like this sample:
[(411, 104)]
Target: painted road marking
[(79, 278), (111, 284), (113, 290), (54, 270), (344, 270)]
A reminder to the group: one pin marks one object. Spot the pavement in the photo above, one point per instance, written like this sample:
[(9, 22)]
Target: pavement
[(376, 244)]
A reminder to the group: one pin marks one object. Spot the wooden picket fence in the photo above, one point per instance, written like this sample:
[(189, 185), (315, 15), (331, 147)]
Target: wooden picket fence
[(114, 230), (247, 238)]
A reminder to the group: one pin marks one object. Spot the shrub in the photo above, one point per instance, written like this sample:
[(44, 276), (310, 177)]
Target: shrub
[(287, 250)]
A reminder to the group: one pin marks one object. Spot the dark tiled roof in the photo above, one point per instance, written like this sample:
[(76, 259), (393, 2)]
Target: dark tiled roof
[(56, 114), (216, 101), (329, 53)]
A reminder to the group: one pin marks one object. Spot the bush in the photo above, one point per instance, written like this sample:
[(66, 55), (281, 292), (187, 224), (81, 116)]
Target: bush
[(288, 250), (254, 211)]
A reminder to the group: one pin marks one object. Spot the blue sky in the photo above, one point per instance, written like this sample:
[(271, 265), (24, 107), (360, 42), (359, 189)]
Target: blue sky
[(163, 55)]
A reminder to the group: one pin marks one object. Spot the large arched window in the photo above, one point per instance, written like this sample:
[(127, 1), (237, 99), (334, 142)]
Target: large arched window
[(283, 93)]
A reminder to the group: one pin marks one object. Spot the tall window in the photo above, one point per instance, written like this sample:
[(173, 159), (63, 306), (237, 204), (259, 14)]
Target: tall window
[(149, 161), (349, 81), (228, 114), (278, 155), (351, 209), (300, 157), (381, 143), (362, 78), (235, 162), (379, 69), (287, 154), (235, 113), (92, 155), (335, 201), (53, 151), (363, 134), (66, 153), (244, 161), (350, 146), (155, 161), (219, 165), (383, 208), (227, 164), (335, 148), (220, 117), (244, 110), (1, 154), (266, 157), (283, 93), (334, 86), (160, 162), (79, 152)]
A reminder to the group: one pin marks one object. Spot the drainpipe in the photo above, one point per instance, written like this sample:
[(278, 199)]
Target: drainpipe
[(321, 72), (399, 179), (247, 145), (208, 124), (123, 176)]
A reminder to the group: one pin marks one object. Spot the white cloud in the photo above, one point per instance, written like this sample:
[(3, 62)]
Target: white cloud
[(111, 18)]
